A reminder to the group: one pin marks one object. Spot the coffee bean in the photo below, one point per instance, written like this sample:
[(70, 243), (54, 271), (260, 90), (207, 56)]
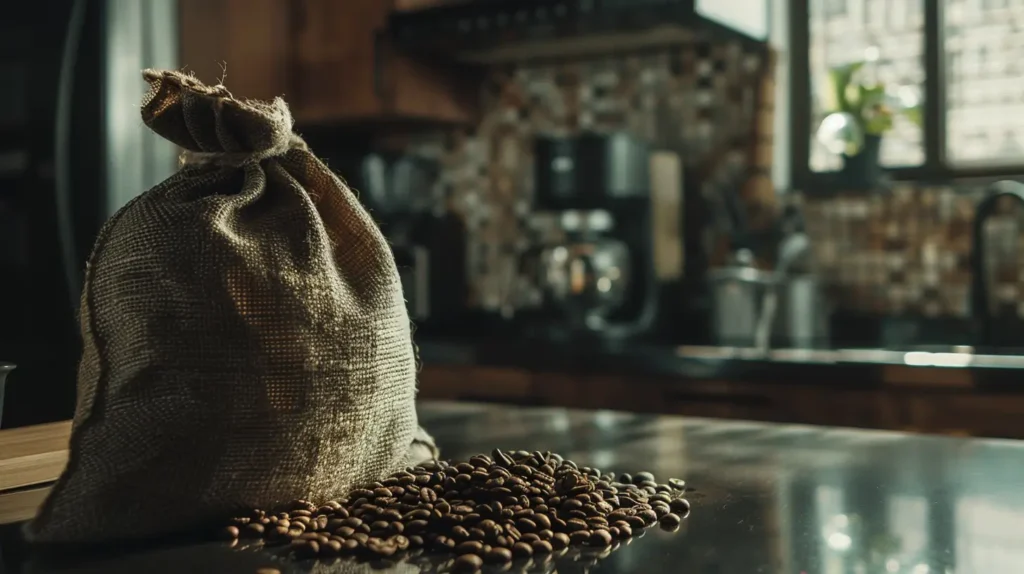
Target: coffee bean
[(542, 547), (642, 477), (575, 525), (670, 521), (467, 564), (522, 470), (571, 504), (649, 517), (469, 547), (560, 540), (522, 550), (680, 506), (502, 459), (579, 537), (498, 555), (600, 538)]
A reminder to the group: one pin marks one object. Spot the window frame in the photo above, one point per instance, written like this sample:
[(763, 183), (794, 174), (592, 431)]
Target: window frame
[(936, 168)]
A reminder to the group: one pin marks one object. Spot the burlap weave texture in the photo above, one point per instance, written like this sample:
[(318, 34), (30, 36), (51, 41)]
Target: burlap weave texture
[(245, 337)]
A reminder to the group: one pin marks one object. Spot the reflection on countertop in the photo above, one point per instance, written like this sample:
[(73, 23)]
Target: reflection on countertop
[(859, 365), (958, 356)]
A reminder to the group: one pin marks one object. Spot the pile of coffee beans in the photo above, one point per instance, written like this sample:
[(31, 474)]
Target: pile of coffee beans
[(489, 509)]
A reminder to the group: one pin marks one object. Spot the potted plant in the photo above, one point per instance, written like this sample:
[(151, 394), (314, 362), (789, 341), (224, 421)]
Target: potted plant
[(859, 113)]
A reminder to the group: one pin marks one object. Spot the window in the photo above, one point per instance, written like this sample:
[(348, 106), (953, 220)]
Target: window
[(961, 60), (984, 56)]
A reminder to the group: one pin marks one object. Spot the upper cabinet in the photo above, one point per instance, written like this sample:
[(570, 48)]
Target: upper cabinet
[(331, 60)]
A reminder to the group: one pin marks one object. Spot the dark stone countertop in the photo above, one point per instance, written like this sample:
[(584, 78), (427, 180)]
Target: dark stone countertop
[(857, 367), (768, 498)]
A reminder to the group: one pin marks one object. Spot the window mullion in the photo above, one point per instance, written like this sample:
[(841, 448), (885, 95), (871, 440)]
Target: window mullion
[(934, 100)]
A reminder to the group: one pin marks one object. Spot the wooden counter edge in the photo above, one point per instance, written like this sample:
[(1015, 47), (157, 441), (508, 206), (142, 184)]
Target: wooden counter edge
[(33, 455), (21, 505)]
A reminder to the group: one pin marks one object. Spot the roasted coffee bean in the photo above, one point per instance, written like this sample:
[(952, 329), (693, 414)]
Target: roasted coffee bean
[(649, 517), (467, 564), (541, 547), (560, 540), (575, 525), (502, 459), (229, 533), (660, 497), (579, 537), (643, 477), (498, 556), (680, 506), (571, 504), (600, 538), (670, 521), (522, 550), (416, 526), (469, 547), (522, 470)]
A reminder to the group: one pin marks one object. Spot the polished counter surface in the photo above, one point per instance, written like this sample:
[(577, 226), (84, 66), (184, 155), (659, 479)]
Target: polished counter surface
[(856, 367), (767, 498)]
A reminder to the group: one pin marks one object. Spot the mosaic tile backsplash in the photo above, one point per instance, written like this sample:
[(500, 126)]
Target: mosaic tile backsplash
[(907, 250), (698, 99)]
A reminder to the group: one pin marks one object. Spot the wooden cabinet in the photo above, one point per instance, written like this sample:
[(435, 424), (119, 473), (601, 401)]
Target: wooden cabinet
[(421, 4), (242, 42), (330, 59)]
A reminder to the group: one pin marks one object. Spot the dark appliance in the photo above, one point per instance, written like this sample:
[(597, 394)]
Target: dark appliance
[(428, 241), (995, 328), (72, 151), (508, 30), (595, 268)]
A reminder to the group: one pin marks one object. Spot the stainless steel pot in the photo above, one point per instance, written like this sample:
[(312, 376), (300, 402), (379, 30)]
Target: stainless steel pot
[(738, 297)]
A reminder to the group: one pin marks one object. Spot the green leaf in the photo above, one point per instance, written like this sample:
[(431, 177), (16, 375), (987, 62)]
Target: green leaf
[(837, 88), (878, 124)]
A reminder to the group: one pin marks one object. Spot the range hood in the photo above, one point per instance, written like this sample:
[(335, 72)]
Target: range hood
[(489, 31)]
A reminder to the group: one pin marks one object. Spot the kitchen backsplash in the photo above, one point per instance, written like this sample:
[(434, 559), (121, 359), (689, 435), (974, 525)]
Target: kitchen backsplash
[(904, 251), (700, 100), (907, 250)]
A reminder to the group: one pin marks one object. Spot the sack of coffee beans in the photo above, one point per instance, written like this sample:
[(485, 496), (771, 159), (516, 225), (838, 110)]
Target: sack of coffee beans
[(246, 341)]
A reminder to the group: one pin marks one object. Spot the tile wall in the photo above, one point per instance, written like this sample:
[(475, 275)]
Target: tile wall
[(906, 250), (699, 99)]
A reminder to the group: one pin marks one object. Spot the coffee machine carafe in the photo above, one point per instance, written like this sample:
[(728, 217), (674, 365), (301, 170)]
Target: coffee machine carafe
[(592, 261)]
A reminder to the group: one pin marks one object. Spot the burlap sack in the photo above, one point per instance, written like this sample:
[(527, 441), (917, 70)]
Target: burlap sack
[(246, 342)]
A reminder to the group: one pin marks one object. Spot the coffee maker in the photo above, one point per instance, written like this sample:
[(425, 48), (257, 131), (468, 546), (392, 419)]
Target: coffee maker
[(592, 254)]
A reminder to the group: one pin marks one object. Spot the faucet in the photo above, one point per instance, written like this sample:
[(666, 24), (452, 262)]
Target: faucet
[(980, 312)]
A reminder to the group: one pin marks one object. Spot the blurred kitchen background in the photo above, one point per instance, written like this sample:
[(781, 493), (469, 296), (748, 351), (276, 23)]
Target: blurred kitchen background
[(802, 211)]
